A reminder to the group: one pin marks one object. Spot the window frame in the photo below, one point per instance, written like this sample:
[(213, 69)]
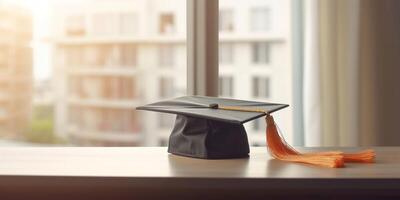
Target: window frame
[(202, 47)]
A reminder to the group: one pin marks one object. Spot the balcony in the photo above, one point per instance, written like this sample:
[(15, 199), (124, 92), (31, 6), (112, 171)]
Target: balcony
[(104, 71), (109, 136), (251, 37), (105, 103), (176, 39)]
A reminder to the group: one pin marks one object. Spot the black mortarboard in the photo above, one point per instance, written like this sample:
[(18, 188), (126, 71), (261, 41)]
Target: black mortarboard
[(210, 127)]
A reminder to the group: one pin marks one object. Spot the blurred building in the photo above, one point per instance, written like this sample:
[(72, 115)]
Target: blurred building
[(15, 70), (113, 55), (43, 93), (255, 58)]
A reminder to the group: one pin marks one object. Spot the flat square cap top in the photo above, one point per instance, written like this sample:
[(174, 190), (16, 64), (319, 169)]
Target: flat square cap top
[(208, 108)]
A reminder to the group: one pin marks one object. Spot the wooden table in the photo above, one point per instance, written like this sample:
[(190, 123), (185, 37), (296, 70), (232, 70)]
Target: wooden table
[(128, 173)]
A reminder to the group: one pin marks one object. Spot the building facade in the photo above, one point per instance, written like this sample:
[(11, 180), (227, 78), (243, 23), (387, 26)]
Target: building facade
[(111, 56), (16, 78), (255, 58)]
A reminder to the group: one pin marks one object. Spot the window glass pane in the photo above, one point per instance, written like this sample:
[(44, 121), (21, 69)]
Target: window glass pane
[(167, 23), (77, 70), (256, 55), (128, 55), (166, 55), (105, 24), (261, 53), (261, 87), (226, 53), (226, 20), (226, 86), (75, 25), (256, 85), (166, 87), (260, 19), (129, 23)]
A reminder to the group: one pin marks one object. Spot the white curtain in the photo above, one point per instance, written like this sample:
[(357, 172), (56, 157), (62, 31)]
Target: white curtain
[(351, 72), (330, 72), (312, 104)]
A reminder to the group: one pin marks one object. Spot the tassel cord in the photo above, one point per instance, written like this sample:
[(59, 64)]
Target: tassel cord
[(280, 150)]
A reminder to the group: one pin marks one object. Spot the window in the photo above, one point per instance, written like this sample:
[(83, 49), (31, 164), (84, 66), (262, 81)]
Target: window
[(166, 55), (106, 120), (91, 119), (75, 25), (91, 87), (3, 113), (260, 53), (74, 117), (4, 53), (167, 23), (103, 88), (128, 55), (226, 20), (226, 53), (261, 87), (92, 55), (260, 19), (226, 86), (105, 55), (117, 88), (23, 64), (166, 87), (75, 87), (127, 88), (73, 55), (128, 24), (105, 24)]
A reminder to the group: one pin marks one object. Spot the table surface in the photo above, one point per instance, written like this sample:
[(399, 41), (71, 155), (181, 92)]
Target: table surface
[(156, 162), (152, 173)]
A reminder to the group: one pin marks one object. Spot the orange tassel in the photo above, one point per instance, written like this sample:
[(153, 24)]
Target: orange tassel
[(280, 150), (366, 156)]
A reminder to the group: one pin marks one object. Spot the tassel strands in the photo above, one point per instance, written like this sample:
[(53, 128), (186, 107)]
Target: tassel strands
[(280, 150)]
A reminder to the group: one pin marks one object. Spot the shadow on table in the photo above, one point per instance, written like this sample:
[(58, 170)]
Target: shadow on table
[(193, 167)]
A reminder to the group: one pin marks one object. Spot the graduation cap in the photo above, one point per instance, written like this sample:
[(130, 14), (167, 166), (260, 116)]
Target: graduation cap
[(210, 127)]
